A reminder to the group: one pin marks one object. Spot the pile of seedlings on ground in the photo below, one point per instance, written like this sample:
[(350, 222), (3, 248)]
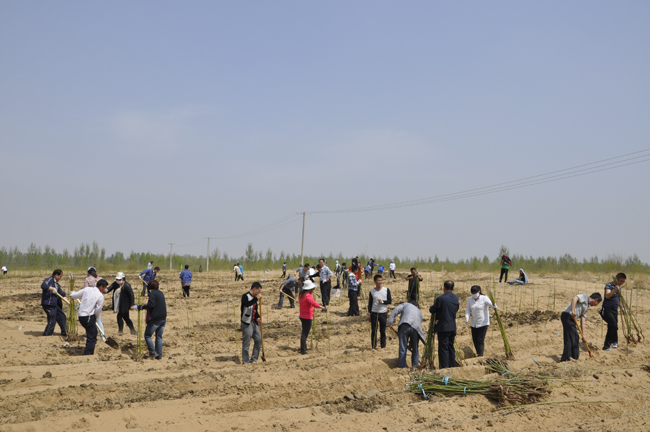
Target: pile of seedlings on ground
[(509, 389), (531, 318)]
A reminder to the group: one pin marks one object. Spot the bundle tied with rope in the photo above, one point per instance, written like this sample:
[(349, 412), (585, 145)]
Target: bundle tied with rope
[(510, 390)]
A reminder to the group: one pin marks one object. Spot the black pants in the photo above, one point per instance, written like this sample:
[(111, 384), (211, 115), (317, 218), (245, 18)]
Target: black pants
[(325, 292), (478, 337), (144, 290), (88, 322), (378, 318), (288, 292), (306, 328), (571, 339), (504, 272), (284, 274), (353, 296), (54, 316), (610, 315), (186, 291), (446, 350), (123, 317), (238, 277), (392, 274)]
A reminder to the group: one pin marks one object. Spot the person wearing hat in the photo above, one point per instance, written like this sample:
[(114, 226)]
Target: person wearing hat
[(90, 309), (91, 278), (186, 280), (123, 299), (307, 305)]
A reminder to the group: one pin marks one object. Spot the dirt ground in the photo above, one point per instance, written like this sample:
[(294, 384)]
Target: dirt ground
[(341, 385)]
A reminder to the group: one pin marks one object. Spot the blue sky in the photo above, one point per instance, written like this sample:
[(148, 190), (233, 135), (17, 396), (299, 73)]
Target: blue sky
[(140, 124)]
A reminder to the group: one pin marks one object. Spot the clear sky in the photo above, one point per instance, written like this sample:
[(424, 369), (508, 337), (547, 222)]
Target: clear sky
[(137, 124)]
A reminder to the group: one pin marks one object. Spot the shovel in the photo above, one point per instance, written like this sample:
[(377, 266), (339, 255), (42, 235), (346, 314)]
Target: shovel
[(583, 337), (262, 335), (109, 341)]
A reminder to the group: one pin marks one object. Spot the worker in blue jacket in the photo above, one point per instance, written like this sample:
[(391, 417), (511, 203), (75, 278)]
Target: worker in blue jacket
[(186, 280), (52, 304), (147, 276)]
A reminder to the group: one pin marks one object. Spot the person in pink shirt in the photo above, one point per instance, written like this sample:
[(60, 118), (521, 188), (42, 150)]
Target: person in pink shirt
[(307, 305)]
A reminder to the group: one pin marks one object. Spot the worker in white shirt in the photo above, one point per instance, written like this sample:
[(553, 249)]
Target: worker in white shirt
[(391, 267), (477, 309), (90, 309)]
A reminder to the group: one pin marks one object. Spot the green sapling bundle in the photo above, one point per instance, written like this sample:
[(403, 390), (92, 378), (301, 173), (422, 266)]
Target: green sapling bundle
[(506, 344)]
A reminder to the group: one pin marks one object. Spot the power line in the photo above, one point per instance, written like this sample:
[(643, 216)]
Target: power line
[(576, 171), (273, 225)]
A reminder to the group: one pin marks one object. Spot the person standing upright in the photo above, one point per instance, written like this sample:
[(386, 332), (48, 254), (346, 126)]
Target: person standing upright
[(477, 309), (149, 264), (186, 280), (337, 271), (392, 267), (91, 281), (307, 305), (284, 270), (52, 305), (156, 309), (92, 301), (505, 266), (378, 299), (445, 309), (238, 274), (91, 278), (354, 285), (325, 275), (413, 291), (610, 311), (251, 319), (147, 276), (123, 299)]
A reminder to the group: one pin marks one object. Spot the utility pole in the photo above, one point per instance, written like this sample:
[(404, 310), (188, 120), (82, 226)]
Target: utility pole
[(171, 246), (302, 248), (207, 257)]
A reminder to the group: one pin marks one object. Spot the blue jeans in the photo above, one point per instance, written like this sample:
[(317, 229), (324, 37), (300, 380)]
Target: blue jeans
[(157, 327), (516, 282), (404, 333)]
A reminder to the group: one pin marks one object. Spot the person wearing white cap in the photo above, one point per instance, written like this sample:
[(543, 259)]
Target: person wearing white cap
[(123, 299), (307, 305), (92, 278)]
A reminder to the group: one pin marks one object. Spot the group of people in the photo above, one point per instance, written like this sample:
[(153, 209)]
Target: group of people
[(90, 301), (300, 290)]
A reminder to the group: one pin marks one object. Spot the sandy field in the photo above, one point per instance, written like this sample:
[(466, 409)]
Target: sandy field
[(341, 385)]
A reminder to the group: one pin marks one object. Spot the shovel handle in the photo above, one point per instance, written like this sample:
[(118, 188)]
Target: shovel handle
[(62, 298), (583, 337), (407, 347)]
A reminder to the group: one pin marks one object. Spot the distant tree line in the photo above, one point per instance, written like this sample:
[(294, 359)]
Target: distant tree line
[(91, 254)]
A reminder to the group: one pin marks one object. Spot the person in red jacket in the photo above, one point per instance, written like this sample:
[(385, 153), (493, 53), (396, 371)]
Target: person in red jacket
[(307, 305)]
